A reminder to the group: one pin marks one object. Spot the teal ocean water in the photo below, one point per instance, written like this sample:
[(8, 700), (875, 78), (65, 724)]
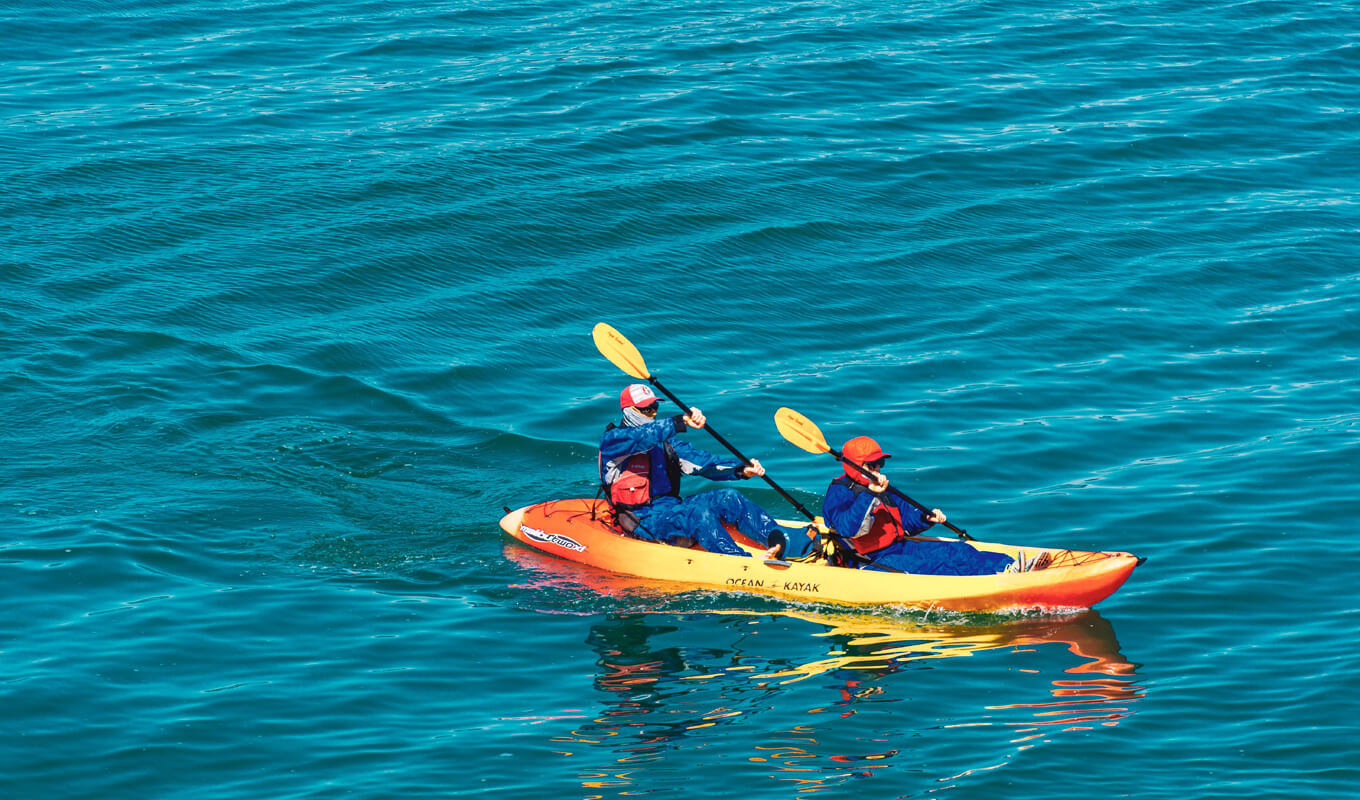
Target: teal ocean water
[(296, 297)]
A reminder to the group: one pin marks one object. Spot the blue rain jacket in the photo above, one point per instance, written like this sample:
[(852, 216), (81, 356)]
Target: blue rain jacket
[(670, 457)]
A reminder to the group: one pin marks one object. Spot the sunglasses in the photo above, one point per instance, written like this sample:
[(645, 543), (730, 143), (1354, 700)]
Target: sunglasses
[(651, 409), (876, 464)]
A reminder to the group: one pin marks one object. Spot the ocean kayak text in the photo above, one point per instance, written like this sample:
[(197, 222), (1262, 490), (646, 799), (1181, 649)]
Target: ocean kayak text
[(788, 586)]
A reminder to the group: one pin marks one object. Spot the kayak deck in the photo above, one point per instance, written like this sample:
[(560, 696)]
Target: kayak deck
[(578, 530)]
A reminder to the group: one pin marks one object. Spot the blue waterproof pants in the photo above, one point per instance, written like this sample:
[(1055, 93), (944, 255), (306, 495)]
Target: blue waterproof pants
[(939, 558), (701, 518)]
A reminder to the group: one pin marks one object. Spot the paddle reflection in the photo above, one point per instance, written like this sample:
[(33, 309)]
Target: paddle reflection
[(817, 697)]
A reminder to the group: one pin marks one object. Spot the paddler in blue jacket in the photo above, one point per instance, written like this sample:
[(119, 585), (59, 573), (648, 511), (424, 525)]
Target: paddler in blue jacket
[(641, 463), (881, 529)]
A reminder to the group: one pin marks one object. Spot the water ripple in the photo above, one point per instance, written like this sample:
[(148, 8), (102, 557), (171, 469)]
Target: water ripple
[(297, 299)]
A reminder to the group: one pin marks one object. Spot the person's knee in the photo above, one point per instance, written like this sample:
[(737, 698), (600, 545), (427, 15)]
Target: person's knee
[(722, 497), (732, 504)]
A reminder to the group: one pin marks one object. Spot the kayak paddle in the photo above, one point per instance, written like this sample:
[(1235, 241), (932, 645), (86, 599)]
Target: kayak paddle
[(804, 433), (622, 354)]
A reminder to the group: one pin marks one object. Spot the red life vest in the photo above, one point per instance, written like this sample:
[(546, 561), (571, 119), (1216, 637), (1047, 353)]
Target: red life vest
[(885, 528), (633, 486)]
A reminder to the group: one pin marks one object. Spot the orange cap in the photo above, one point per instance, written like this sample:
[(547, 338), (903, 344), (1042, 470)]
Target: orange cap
[(861, 450)]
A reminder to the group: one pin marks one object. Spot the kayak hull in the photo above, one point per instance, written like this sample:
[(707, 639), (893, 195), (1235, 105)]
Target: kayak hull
[(578, 530)]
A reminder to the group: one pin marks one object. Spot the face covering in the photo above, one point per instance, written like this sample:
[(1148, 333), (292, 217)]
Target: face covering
[(633, 418)]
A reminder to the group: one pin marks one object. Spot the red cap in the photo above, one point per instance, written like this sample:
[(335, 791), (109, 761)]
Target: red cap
[(637, 394), (861, 450)]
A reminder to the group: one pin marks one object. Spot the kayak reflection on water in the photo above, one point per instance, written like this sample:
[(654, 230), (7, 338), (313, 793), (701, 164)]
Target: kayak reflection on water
[(825, 695)]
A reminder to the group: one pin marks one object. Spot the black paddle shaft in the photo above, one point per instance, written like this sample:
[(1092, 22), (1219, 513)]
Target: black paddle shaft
[(735, 451), (869, 474)]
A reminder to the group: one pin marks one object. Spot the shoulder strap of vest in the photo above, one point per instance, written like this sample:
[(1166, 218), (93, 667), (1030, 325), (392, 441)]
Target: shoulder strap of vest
[(672, 466)]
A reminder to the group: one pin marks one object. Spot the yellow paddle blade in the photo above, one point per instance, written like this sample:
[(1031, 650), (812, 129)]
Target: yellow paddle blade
[(620, 352), (801, 431)]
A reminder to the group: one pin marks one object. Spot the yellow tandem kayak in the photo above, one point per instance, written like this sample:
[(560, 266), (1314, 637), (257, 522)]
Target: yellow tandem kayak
[(579, 530)]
